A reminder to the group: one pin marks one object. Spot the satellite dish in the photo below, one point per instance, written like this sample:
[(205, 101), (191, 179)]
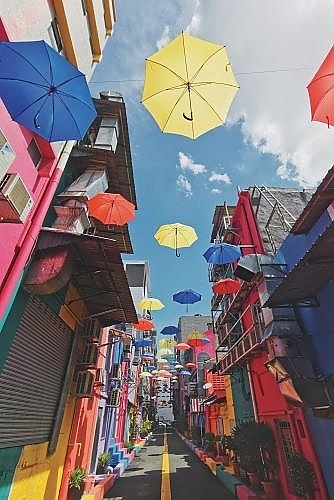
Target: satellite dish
[(207, 385)]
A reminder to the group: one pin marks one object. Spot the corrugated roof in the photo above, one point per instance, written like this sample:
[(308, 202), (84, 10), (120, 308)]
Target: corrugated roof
[(98, 274)]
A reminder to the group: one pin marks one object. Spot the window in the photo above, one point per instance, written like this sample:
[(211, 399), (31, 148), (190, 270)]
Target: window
[(34, 152), (55, 35)]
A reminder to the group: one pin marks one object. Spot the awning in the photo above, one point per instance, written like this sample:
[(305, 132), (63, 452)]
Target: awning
[(98, 274), (311, 274)]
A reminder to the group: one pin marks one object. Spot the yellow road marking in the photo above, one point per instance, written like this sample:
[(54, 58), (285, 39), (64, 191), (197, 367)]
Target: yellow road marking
[(165, 479)]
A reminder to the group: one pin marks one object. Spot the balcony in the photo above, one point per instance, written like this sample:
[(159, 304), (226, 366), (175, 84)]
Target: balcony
[(236, 343)]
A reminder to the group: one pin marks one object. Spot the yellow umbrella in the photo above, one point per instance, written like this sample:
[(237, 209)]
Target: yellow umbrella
[(175, 236), (189, 86), (150, 304)]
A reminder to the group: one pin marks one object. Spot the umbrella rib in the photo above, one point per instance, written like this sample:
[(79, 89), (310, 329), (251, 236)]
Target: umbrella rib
[(28, 61)]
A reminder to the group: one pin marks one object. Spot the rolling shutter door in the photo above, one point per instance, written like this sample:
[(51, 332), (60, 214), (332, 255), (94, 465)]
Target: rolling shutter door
[(32, 377)]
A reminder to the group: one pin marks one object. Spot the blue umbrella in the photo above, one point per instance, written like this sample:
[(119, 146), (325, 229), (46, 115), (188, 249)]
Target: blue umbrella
[(44, 92), (143, 342), (222, 253), (169, 330), (187, 296), (185, 373)]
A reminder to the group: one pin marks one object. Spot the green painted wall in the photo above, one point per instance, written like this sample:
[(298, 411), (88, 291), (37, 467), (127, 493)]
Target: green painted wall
[(242, 398), (9, 458)]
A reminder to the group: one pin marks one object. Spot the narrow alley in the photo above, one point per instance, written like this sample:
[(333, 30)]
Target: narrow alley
[(167, 469)]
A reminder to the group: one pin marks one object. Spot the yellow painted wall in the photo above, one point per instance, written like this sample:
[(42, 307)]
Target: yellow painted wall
[(38, 476), (228, 415)]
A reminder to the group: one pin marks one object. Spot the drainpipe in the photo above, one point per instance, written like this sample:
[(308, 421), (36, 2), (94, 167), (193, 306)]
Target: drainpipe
[(252, 393), (26, 246)]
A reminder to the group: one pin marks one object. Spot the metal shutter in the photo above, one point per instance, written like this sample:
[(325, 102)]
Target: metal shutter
[(32, 377)]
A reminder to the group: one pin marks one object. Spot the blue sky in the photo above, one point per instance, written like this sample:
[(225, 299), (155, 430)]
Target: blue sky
[(274, 49)]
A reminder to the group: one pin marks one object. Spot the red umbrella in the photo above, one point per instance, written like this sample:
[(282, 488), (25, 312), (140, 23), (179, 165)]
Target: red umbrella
[(182, 346), (321, 91), (143, 325), (226, 286), (110, 208), (191, 365)]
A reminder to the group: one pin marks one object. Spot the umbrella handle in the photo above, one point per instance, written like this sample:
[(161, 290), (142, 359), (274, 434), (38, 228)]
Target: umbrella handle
[(177, 252), (187, 117)]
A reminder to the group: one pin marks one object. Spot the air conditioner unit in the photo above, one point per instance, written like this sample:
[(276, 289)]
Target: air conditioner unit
[(15, 201), (7, 155), (84, 384), (90, 354), (114, 398)]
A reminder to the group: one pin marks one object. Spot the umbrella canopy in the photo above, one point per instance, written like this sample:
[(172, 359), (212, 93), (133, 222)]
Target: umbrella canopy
[(182, 346), (187, 296), (44, 92), (145, 374), (111, 208), (321, 91), (189, 86), (143, 342), (175, 236), (169, 330), (143, 325), (226, 286), (184, 373), (222, 253), (150, 304), (191, 365)]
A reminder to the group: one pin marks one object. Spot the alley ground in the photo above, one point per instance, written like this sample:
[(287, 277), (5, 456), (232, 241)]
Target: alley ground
[(166, 469)]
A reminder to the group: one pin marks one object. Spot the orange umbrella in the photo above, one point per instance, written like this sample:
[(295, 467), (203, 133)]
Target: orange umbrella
[(143, 325), (110, 208)]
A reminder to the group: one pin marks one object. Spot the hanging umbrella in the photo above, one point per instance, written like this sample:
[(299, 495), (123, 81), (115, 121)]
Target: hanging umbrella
[(226, 286), (321, 91), (169, 330), (175, 236), (166, 343), (182, 346), (143, 342), (184, 373), (178, 366), (189, 86), (44, 92), (143, 325), (191, 365), (145, 374), (150, 304), (111, 208), (222, 253), (187, 297)]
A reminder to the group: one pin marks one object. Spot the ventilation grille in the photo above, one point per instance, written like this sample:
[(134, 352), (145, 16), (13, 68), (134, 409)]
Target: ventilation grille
[(114, 398), (84, 384)]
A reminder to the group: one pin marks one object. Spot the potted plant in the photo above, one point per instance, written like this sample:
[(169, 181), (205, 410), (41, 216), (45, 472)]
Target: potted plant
[(76, 483), (210, 444), (102, 462), (302, 476)]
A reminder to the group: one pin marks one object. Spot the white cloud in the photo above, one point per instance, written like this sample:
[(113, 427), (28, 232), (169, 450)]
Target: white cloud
[(164, 39), (215, 177), (187, 163), (184, 185), (215, 191), (263, 38)]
